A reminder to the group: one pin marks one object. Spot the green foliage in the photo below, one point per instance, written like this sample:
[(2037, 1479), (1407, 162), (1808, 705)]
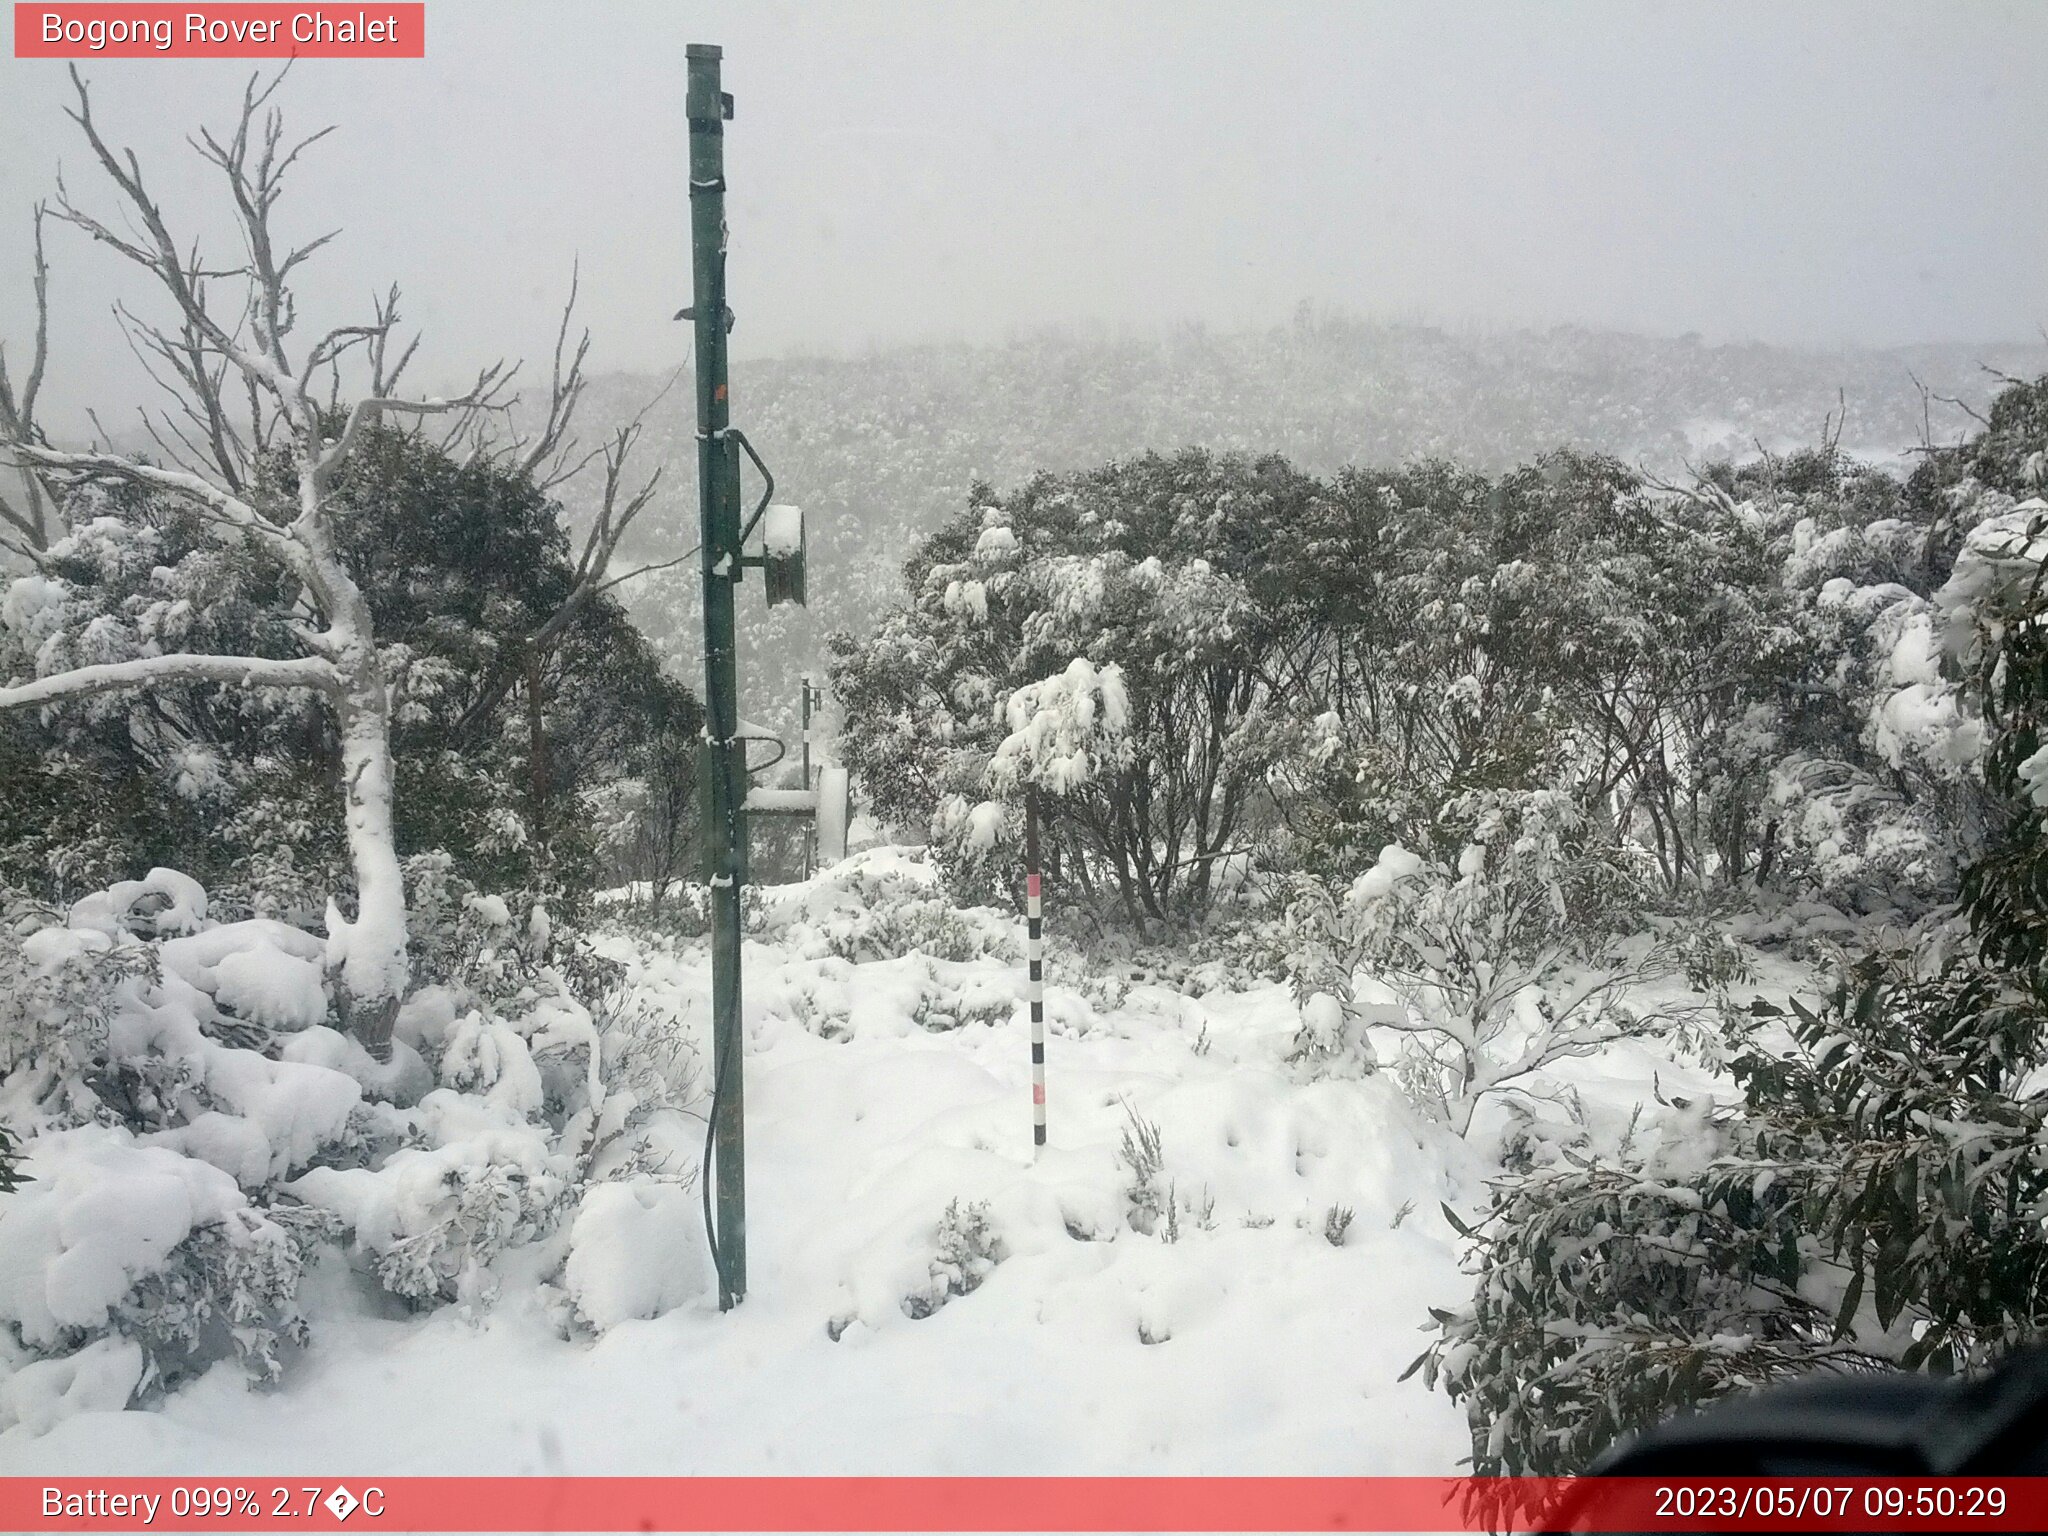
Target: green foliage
[(2006, 893), (1878, 1200), (11, 1176), (1880, 1197), (1315, 669)]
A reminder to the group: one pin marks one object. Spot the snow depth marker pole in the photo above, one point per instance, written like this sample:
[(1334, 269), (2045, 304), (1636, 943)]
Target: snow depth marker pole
[(1034, 933), (725, 832)]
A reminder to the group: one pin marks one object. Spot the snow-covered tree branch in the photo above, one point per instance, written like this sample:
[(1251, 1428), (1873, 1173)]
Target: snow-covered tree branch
[(151, 671)]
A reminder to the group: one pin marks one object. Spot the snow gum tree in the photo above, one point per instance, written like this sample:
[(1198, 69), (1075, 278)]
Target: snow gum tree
[(509, 790), (255, 442), (1163, 576)]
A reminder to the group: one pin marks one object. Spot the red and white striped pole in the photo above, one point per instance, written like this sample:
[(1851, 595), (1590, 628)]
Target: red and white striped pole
[(1034, 951)]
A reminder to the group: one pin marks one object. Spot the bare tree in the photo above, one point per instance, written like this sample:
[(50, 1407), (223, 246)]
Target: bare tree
[(244, 395), (26, 520)]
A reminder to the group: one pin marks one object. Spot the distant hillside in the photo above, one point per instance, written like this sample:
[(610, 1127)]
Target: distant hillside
[(879, 448)]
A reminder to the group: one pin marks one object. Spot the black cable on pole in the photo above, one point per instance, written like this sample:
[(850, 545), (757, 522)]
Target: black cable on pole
[(718, 1086)]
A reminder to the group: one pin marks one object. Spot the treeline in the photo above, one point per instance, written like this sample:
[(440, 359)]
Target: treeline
[(1737, 677), (882, 447)]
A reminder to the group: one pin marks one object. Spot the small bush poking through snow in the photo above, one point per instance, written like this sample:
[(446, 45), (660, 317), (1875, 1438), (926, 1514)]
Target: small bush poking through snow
[(932, 927), (646, 1071), (968, 1250), (1144, 1155), (947, 1008), (828, 1019), (1336, 1222)]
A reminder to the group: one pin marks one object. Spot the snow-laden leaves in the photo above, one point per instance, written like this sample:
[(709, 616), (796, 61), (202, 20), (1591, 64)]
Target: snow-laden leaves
[(1485, 970)]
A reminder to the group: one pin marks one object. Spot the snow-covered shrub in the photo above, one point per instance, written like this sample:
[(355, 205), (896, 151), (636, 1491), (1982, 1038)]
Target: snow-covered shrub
[(1877, 1199), (949, 1006), (616, 1118), (482, 1166), (167, 1071), (194, 1129), (439, 1216), (543, 1099), (1995, 603), (968, 1250), (827, 1017), (57, 996), (884, 907), (1497, 965), (478, 1168), (932, 927), (118, 1240)]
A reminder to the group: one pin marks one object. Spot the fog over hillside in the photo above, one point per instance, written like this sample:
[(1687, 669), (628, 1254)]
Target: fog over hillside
[(880, 447)]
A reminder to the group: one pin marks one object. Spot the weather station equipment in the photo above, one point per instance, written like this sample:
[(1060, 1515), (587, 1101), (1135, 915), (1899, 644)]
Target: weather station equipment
[(727, 799)]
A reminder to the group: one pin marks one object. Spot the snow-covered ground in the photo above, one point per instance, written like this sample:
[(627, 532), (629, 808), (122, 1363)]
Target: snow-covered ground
[(1236, 1338)]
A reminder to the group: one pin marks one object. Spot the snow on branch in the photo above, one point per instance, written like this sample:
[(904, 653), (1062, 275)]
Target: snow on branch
[(149, 671), (1064, 730), (223, 505)]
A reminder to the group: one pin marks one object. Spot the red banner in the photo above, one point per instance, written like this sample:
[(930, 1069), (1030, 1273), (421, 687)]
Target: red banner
[(862, 1504), (243, 31)]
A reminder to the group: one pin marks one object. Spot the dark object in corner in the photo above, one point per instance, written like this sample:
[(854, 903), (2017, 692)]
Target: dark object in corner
[(1859, 1425), (1853, 1424)]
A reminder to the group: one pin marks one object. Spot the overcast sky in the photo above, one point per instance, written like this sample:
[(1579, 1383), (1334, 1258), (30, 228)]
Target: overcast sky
[(1816, 173)]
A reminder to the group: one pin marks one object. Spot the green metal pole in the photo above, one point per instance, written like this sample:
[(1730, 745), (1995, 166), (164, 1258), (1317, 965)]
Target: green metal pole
[(718, 494)]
